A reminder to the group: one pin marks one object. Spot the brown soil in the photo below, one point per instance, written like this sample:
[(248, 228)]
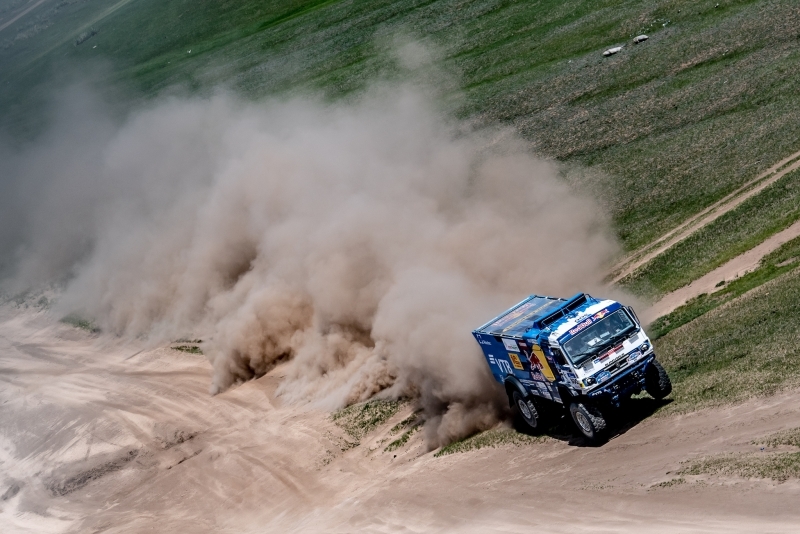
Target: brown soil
[(141, 446)]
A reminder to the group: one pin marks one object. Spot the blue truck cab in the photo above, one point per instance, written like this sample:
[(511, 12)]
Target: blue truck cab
[(582, 354)]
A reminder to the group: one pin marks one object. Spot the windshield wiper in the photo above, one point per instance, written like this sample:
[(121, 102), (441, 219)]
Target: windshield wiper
[(610, 343), (576, 358)]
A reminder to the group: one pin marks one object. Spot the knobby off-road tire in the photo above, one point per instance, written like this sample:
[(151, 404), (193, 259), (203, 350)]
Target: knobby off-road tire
[(526, 416), (590, 422), (656, 381)]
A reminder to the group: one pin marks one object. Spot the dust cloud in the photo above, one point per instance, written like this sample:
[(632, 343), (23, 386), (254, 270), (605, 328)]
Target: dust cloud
[(361, 241)]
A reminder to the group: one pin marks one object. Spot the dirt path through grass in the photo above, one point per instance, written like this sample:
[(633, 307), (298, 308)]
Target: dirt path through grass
[(706, 216), (25, 12), (738, 266)]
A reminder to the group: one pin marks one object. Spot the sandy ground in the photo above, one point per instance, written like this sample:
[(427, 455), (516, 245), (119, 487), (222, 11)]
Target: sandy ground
[(96, 436), (736, 267), (638, 258)]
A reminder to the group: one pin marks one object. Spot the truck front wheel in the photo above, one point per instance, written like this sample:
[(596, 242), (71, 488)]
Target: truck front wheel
[(524, 412), (589, 421), (656, 381)]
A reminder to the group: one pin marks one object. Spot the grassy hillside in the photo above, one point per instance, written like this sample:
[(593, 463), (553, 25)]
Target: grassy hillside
[(747, 347), (675, 123), (780, 261), (739, 230)]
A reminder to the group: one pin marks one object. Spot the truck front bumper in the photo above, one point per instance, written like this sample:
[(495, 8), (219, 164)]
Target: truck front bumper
[(628, 382)]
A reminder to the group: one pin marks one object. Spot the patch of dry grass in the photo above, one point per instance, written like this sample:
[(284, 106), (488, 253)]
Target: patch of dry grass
[(748, 347), (494, 438), (775, 466)]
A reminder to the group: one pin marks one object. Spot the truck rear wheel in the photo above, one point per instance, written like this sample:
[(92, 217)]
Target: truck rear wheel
[(589, 421), (525, 413), (656, 381)]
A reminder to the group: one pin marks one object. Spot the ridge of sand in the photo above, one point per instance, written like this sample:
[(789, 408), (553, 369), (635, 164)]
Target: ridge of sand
[(638, 258), (734, 268), (103, 435)]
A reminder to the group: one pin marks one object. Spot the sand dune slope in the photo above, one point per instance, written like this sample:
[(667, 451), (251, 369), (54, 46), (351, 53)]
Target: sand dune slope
[(97, 435)]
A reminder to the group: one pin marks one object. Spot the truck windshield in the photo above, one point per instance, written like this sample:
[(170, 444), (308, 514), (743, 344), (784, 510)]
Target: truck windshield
[(601, 336)]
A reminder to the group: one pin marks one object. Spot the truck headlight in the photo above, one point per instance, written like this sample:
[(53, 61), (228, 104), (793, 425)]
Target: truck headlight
[(644, 347), (589, 381)]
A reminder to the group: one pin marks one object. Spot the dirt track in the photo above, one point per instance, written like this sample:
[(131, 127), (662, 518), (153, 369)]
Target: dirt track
[(25, 10), (639, 257), (736, 267), (97, 436)]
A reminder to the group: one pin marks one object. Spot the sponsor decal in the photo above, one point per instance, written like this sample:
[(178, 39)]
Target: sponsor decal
[(505, 367), (510, 344), (515, 361), (611, 352), (602, 376), (536, 375), (583, 324), (580, 326), (541, 363)]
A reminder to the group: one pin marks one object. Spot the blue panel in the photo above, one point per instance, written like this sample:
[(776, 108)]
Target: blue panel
[(520, 318)]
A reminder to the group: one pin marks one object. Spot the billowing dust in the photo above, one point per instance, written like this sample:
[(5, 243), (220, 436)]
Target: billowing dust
[(361, 241)]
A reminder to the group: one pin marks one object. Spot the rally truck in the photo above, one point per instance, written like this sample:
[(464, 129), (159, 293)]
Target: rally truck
[(581, 355)]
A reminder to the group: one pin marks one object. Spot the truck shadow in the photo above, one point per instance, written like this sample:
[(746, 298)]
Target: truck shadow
[(620, 421)]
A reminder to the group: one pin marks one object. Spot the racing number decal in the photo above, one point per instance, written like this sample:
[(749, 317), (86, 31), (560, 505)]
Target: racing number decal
[(538, 355), (515, 361)]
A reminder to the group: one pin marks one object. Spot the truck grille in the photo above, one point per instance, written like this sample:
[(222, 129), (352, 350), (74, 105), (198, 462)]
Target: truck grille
[(626, 382), (618, 365)]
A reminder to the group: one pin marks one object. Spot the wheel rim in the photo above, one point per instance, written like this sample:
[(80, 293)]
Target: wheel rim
[(583, 422), (523, 408)]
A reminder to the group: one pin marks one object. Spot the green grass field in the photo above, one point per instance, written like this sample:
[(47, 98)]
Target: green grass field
[(672, 124), (747, 347)]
